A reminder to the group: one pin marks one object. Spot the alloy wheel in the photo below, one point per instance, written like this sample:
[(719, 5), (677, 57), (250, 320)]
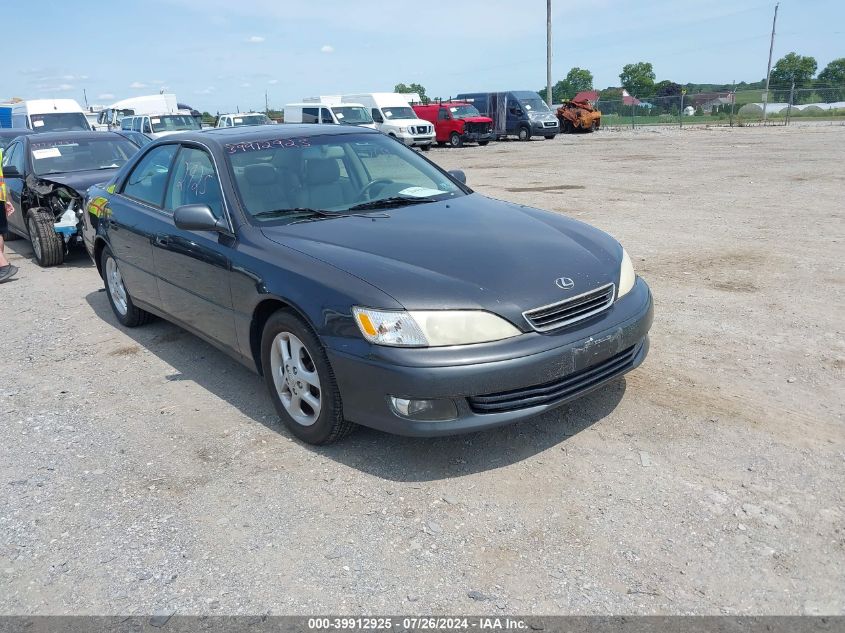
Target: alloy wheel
[(295, 378), (117, 290)]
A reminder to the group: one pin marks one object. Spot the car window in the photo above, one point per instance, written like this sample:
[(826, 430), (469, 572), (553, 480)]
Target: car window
[(309, 115), (194, 182), (146, 129), (136, 124), (9, 154), (326, 116), (443, 114), (148, 180)]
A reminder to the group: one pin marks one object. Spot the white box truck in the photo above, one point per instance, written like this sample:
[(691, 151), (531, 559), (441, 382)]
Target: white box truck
[(49, 115), (110, 116), (392, 114)]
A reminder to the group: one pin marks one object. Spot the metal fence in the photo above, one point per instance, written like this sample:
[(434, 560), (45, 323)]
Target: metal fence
[(730, 108)]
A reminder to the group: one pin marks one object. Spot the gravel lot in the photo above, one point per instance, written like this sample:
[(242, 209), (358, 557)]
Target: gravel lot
[(142, 471)]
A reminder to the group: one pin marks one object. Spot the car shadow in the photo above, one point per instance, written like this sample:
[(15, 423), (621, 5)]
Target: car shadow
[(390, 457), (76, 258)]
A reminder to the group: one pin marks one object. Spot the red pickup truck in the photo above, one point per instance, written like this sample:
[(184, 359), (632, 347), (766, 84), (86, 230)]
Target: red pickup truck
[(456, 122)]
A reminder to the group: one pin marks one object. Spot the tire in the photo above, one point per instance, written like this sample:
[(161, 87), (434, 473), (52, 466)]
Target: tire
[(483, 143), (455, 140), (441, 143), (549, 138), (121, 301), (47, 245), (310, 408), (524, 134), (425, 148)]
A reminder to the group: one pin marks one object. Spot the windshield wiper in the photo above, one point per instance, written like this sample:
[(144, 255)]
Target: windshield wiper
[(393, 201), (323, 213)]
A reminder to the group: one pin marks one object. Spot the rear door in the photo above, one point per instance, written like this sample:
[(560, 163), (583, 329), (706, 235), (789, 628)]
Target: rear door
[(135, 217), (15, 155), (194, 267)]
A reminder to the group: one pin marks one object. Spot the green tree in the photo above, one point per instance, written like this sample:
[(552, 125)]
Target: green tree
[(832, 80), (638, 79), (407, 88), (577, 80), (667, 95), (793, 67)]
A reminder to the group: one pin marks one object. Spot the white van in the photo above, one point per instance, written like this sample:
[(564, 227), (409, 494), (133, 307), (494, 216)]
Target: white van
[(243, 118), (392, 114), (158, 125), (112, 115), (329, 114), (49, 115)]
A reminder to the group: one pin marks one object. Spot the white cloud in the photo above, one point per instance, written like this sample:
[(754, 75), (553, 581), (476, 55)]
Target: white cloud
[(273, 82), (205, 91), (137, 84), (327, 48), (56, 87), (64, 87), (255, 39), (105, 95), (246, 84)]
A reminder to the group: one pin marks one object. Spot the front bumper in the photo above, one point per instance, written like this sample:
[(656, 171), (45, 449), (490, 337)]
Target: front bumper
[(538, 127), (474, 137), (366, 383)]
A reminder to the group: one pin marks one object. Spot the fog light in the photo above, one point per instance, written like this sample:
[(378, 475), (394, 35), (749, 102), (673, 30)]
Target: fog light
[(431, 410)]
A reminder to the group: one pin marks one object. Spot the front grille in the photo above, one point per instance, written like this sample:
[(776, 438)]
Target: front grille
[(477, 128), (563, 388), (572, 310), (421, 129)]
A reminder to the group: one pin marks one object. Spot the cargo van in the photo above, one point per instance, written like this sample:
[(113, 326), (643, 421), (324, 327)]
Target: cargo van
[(519, 113), (111, 116), (456, 122), (242, 118), (158, 125), (329, 114), (49, 115), (392, 114)]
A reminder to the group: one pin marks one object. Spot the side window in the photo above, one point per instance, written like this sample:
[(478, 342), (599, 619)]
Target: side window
[(9, 154), (18, 159), (443, 114), (326, 116), (20, 120), (147, 129), (148, 180), (194, 182), (309, 115)]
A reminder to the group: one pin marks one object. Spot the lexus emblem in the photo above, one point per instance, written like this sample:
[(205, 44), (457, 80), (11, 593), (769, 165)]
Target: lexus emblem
[(564, 283)]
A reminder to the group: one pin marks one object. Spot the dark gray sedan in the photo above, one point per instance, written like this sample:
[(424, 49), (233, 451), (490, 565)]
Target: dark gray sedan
[(365, 283)]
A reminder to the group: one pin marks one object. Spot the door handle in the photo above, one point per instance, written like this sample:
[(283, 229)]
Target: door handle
[(162, 240)]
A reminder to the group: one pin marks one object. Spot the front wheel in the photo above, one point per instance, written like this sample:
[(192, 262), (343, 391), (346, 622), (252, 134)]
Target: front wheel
[(455, 139), (301, 382), (483, 143), (524, 134), (425, 148), (47, 245), (121, 301), (549, 138)]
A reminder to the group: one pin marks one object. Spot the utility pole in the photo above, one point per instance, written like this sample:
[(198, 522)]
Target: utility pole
[(733, 101), (769, 70), (681, 110), (549, 53)]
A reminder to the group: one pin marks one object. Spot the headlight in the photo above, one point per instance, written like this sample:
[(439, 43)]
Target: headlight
[(431, 328), (627, 276), (402, 130)]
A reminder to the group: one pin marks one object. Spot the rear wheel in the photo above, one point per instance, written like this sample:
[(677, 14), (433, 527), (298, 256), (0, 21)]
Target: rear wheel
[(119, 297), (455, 139), (550, 137), (524, 134), (47, 245), (301, 381), (483, 143)]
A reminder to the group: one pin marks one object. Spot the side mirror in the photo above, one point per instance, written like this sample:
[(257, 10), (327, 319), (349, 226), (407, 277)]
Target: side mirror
[(458, 175), (10, 171), (197, 217)]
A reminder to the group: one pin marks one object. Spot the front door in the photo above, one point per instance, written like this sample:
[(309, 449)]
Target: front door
[(15, 156), (194, 267)]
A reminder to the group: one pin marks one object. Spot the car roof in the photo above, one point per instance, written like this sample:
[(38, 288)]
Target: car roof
[(223, 135), (12, 132), (80, 135)]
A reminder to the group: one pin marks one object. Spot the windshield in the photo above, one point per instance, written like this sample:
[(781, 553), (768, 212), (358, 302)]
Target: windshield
[(282, 179), (59, 122), (399, 113), (534, 105), (52, 157), (249, 119), (352, 115), (173, 123), (463, 111)]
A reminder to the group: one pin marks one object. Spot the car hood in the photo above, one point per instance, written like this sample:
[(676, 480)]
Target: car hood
[(471, 252), (476, 119), (79, 181)]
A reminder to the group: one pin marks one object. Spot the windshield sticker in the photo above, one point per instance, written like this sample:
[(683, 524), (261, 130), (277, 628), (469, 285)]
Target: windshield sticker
[(420, 192), (388, 113), (239, 120), (527, 106), (50, 152), (154, 121), (255, 146), (37, 123), (339, 115)]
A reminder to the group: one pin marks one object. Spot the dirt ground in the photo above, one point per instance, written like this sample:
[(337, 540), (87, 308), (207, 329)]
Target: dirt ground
[(144, 472)]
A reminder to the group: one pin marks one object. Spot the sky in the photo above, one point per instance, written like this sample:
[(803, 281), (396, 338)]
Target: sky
[(222, 55)]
